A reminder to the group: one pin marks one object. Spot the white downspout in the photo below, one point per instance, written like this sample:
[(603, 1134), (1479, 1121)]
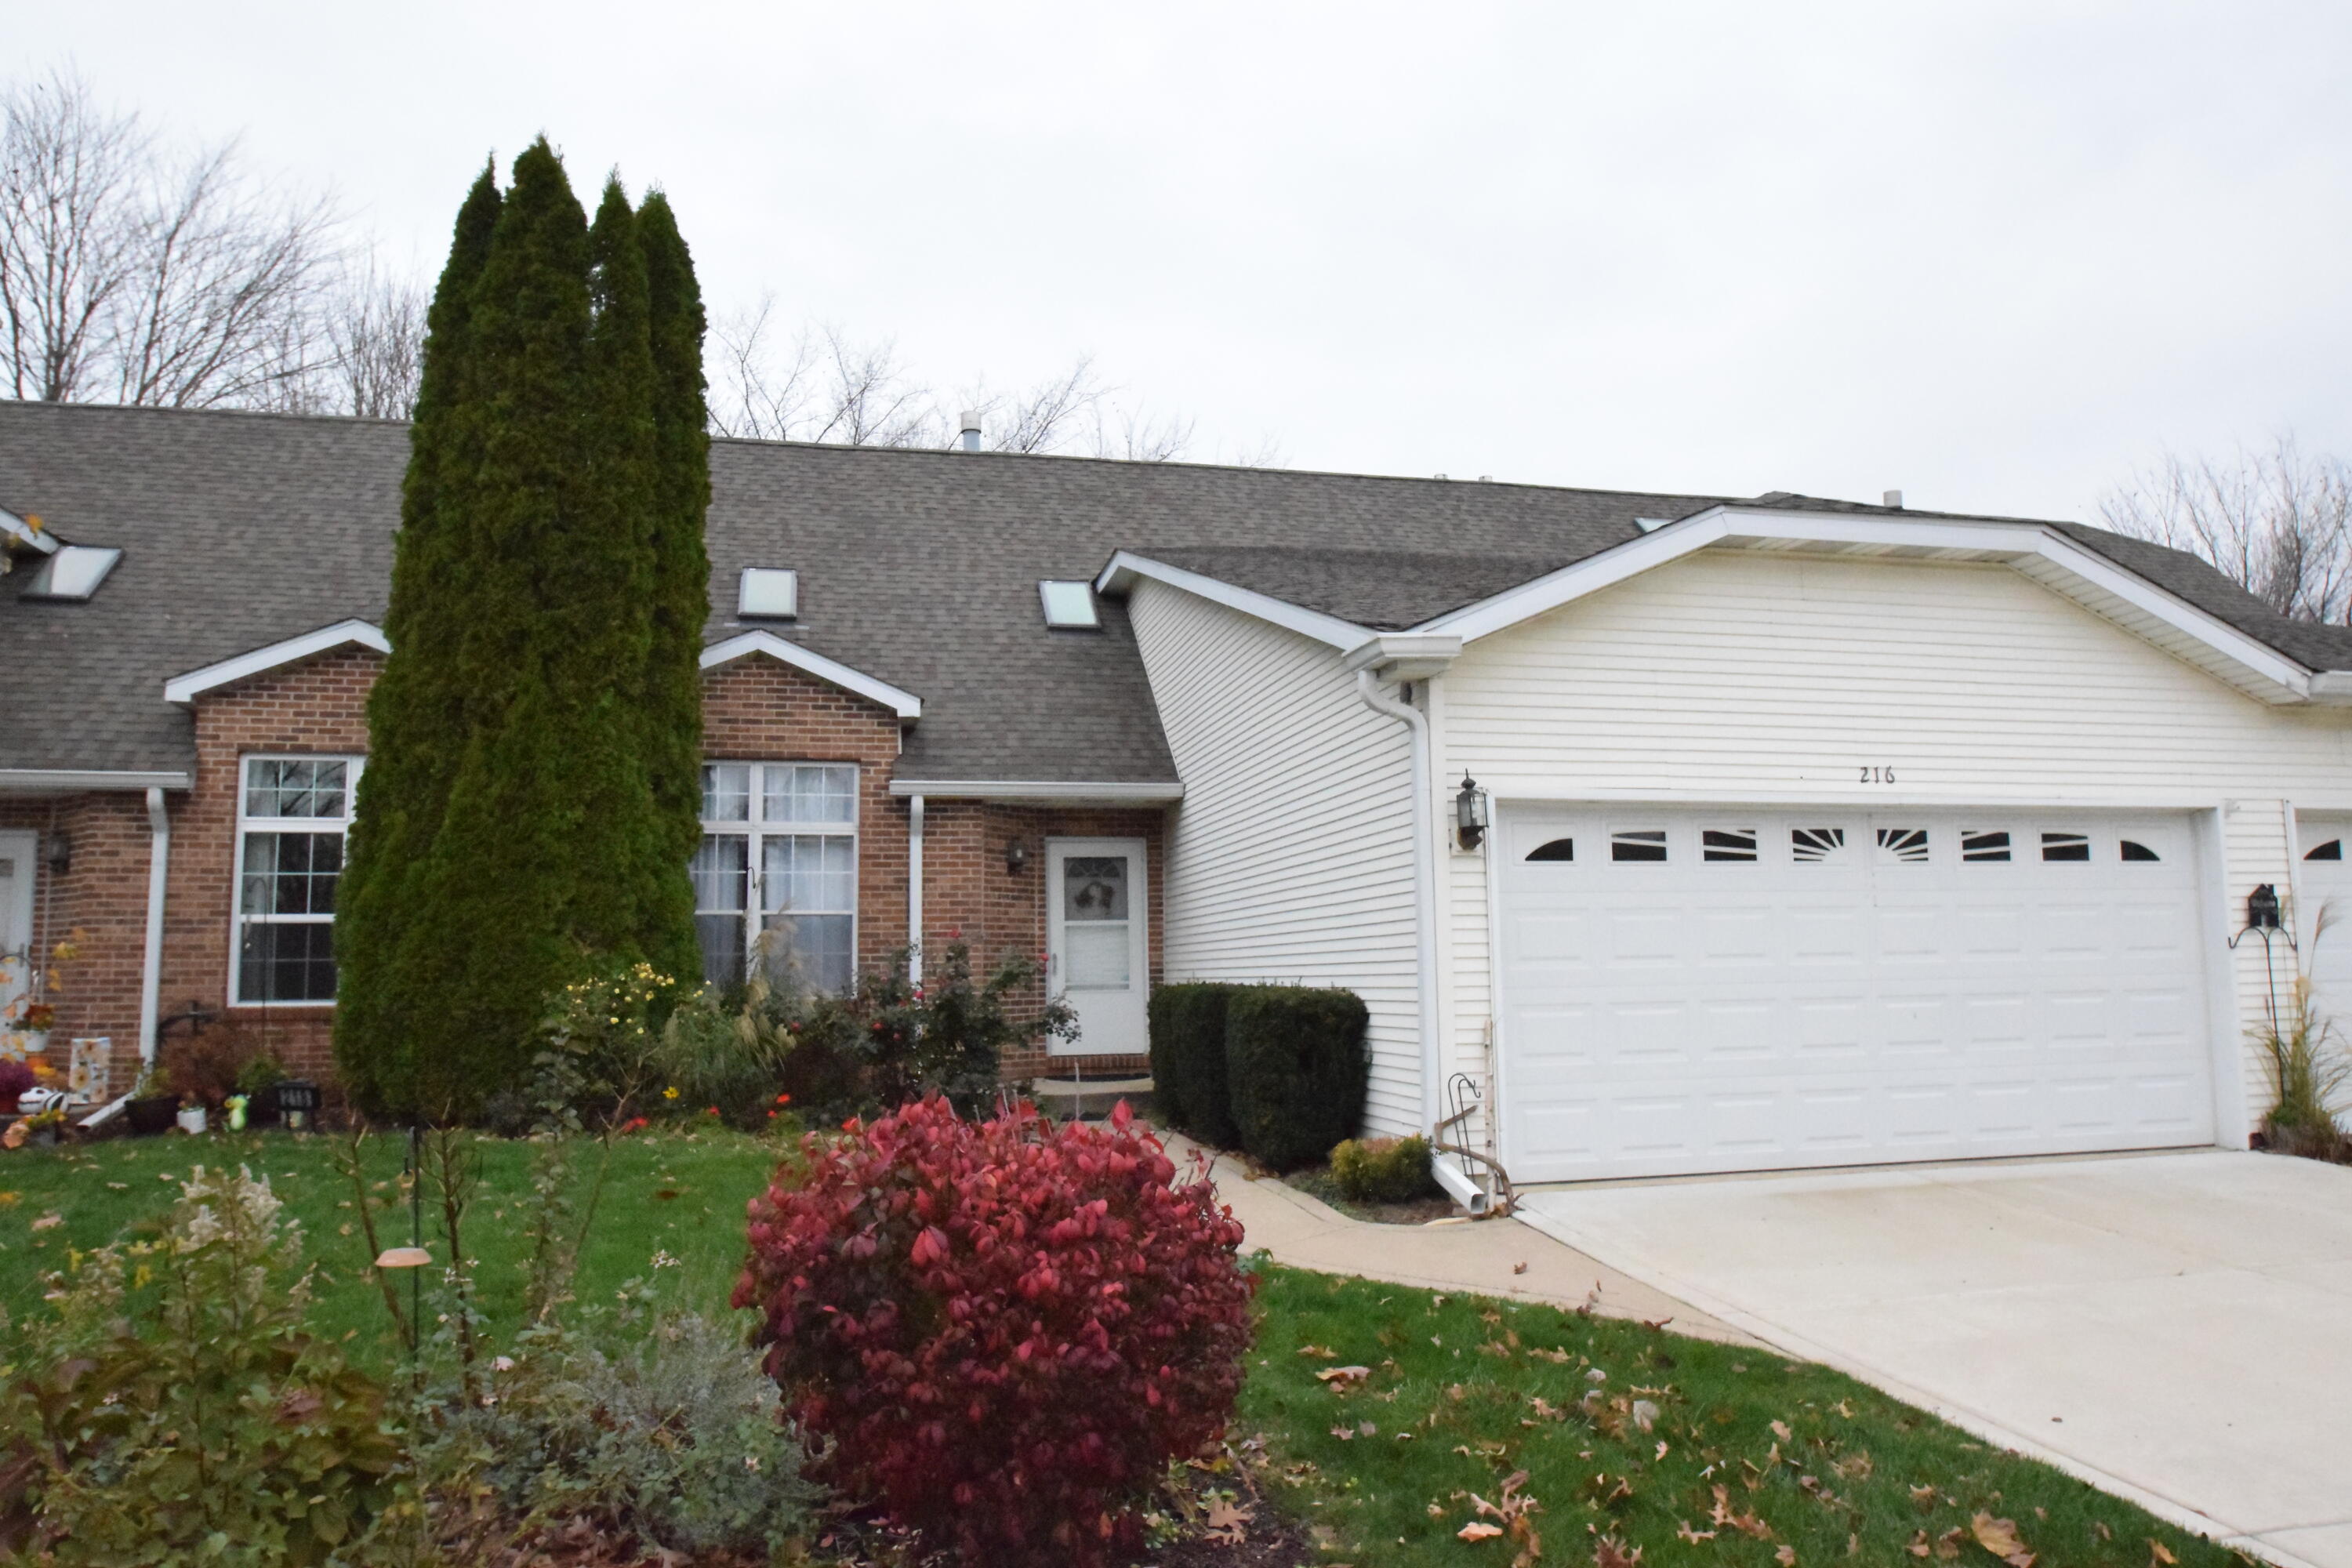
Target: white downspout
[(914, 889), (1425, 883), (150, 974)]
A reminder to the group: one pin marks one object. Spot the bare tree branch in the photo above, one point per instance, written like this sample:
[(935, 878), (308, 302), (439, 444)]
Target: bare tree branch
[(69, 174), (375, 327), (183, 283), (2277, 522)]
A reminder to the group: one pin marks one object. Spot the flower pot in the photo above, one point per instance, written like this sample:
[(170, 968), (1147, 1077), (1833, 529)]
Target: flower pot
[(192, 1119), (37, 1042), (152, 1115)]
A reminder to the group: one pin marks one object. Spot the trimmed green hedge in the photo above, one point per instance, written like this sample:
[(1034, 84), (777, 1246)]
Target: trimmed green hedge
[(1294, 1070), (1188, 1060), (1384, 1170)]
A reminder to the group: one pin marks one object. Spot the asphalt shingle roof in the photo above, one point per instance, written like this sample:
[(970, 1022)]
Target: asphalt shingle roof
[(920, 568)]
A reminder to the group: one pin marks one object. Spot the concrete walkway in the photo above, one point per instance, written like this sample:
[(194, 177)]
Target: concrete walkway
[(1487, 1258), (2174, 1328)]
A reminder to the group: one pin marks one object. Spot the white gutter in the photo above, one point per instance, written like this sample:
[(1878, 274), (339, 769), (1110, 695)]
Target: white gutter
[(1145, 793), (74, 781), (914, 890), (1424, 885), (150, 974)]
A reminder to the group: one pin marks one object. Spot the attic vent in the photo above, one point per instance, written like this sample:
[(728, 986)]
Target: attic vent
[(768, 593), (1069, 606), (74, 572)]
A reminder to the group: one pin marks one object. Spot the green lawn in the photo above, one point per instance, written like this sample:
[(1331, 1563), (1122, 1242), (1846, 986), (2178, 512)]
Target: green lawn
[(677, 1194), (1459, 1393), (1813, 1467)]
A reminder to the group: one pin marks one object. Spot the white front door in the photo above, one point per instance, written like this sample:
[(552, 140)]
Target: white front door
[(1098, 945), (2326, 918), (17, 852), (1732, 989)]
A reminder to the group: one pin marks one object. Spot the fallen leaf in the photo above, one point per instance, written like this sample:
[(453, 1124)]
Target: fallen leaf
[(1478, 1531), (1343, 1375), (1786, 1557), (1947, 1545), (1609, 1553), (1920, 1545), (1325, 1352), (1781, 1430), (2157, 1556), (1999, 1536), (1645, 1414), (1518, 1269), (1684, 1532), (48, 1221), (1226, 1521), (1345, 1434)]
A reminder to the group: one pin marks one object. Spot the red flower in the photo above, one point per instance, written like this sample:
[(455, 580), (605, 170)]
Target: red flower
[(783, 1099)]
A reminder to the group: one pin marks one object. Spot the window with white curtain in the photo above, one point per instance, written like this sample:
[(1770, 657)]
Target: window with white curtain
[(776, 878), (291, 815)]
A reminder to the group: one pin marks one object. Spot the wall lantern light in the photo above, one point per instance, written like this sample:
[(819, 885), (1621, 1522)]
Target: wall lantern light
[(1016, 854), (57, 854), (1469, 814)]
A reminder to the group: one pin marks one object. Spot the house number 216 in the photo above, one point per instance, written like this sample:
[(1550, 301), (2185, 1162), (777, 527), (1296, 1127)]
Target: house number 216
[(1878, 776)]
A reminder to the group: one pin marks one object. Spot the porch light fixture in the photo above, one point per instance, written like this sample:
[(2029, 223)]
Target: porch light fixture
[(1016, 854), (57, 854), (1469, 814)]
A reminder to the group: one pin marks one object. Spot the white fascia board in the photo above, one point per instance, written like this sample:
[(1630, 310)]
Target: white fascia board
[(1145, 793), (185, 689), (2332, 689), (61, 781), (24, 534), (905, 704), (1125, 567), (2262, 671)]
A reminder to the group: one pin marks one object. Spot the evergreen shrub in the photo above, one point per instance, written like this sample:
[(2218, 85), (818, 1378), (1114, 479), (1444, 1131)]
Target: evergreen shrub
[(1188, 1060), (1384, 1169), (1294, 1070), (1007, 1329)]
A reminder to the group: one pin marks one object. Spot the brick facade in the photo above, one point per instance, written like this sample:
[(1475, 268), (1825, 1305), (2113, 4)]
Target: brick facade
[(754, 710)]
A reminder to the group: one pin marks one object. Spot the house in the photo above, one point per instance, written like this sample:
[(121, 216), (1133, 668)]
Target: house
[(1700, 833)]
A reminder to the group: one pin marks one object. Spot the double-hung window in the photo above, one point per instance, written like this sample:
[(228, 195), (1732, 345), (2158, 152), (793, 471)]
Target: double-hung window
[(777, 873), (291, 815)]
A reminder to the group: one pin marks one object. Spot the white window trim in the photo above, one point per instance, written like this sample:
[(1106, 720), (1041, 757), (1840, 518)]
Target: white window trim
[(246, 824), (755, 828)]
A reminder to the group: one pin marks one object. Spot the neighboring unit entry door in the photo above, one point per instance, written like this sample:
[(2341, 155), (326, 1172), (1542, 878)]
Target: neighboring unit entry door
[(17, 852), (1096, 941)]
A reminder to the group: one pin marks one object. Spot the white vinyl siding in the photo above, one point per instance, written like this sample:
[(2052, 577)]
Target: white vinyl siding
[(1290, 859), (1772, 677)]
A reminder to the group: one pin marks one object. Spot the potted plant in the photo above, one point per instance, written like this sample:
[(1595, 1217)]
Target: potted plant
[(44, 1126), (38, 1019), (257, 1083), (152, 1104), (192, 1116), (16, 1077)]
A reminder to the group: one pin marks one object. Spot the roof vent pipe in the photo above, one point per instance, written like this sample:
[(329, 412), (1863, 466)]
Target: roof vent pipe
[(1893, 498), (972, 429)]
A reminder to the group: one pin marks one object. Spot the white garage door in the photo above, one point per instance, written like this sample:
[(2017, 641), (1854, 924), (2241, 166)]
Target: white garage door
[(1735, 990)]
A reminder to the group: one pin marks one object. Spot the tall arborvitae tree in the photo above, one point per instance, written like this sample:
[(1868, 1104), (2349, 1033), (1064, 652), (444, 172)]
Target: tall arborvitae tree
[(550, 854), (417, 712), (671, 703)]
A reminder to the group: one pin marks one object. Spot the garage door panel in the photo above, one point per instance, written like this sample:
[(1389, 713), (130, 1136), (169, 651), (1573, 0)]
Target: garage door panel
[(1861, 989)]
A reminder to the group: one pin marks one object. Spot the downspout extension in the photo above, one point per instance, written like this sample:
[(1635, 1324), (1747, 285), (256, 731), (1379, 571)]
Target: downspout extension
[(1425, 883), (150, 972), (914, 890)]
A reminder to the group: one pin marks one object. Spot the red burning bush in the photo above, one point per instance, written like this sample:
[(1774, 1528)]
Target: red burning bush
[(1008, 1328)]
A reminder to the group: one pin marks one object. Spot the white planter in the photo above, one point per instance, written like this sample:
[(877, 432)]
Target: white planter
[(37, 1041), (192, 1119)]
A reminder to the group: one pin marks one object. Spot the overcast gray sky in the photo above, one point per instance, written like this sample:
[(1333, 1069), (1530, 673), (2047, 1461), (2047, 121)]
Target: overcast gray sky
[(1995, 255)]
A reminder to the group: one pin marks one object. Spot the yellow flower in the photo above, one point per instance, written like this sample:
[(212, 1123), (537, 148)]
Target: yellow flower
[(669, 1093)]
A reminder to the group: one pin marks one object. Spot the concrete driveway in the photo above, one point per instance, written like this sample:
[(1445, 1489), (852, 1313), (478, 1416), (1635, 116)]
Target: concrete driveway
[(2175, 1328)]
